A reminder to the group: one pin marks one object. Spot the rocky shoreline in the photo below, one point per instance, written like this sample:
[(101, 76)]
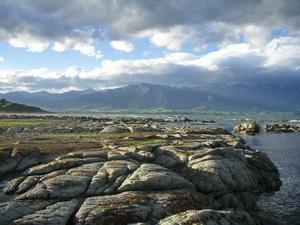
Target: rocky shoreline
[(80, 170), (252, 128)]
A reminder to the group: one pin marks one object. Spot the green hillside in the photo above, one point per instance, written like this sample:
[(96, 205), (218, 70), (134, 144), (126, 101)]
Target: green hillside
[(6, 106)]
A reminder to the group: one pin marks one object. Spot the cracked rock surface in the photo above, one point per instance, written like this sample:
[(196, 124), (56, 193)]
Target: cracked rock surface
[(125, 175)]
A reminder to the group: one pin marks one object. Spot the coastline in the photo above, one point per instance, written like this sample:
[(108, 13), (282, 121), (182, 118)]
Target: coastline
[(132, 158)]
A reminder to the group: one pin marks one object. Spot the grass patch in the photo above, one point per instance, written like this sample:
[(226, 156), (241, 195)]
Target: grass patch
[(97, 135), (9, 123), (91, 134), (140, 142)]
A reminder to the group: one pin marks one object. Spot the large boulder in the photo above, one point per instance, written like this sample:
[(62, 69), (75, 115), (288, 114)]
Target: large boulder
[(153, 177), (246, 127)]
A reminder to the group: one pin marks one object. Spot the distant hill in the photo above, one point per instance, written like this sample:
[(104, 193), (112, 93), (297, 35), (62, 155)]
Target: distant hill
[(6, 106), (238, 97)]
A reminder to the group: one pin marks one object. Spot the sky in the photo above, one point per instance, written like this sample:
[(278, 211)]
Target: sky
[(57, 46)]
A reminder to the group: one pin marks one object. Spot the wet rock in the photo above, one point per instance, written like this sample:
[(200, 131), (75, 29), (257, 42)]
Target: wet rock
[(265, 171), (244, 200)]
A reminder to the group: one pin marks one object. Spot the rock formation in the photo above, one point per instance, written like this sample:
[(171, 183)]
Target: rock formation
[(175, 176), (282, 128), (246, 127)]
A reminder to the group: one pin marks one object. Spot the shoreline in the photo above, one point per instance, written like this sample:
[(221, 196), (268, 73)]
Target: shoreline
[(131, 159)]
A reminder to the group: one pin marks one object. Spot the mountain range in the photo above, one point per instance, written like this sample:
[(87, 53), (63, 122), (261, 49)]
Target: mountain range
[(237, 97)]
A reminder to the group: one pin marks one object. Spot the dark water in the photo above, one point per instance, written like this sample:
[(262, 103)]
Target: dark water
[(284, 151)]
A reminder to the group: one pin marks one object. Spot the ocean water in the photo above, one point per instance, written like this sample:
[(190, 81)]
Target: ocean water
[(284, 150)]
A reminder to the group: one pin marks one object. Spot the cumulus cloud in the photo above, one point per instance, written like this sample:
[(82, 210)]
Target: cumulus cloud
[(122, 45), (283, 52), (235, 63), (32, 44), (241, 30)]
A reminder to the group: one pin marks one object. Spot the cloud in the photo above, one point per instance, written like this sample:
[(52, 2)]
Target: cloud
[(231, 56), (199, 36), (283, 52), (122, 45), (247, 51), (32, 44), (169, 24), (277, 63), (1, 59)]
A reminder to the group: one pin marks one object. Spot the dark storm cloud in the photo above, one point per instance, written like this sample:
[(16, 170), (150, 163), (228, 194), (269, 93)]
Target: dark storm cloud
[(52, 19)]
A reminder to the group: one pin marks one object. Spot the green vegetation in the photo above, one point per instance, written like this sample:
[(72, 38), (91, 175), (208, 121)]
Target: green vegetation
[(6, 106), (12, 123), (98, 135), (152, 140), (141, 111)]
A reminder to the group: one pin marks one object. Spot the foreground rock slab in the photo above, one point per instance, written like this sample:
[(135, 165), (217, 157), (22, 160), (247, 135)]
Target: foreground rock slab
[(210, 217), (130, 171), (133, 207)]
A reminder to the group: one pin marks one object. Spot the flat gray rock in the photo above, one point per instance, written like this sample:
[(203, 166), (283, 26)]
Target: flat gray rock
[(210, 217), (56, 214), (154, 177)]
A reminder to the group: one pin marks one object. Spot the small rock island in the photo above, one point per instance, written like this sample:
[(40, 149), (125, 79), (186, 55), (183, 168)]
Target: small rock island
[(87, 171)]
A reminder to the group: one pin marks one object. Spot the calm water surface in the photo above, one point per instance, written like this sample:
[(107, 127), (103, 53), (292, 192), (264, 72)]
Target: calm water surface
[(284, 151)]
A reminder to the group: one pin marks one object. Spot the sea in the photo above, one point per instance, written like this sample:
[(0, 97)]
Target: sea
[(284, 151)]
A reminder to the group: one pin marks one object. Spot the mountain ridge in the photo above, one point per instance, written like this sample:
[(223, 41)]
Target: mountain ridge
[(148, 96)]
